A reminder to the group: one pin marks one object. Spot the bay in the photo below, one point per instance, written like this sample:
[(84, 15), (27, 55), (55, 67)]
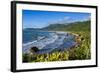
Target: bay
[(47, 41)]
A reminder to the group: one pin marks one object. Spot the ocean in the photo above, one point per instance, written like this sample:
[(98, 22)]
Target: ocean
[(32, 35), (46, 41)]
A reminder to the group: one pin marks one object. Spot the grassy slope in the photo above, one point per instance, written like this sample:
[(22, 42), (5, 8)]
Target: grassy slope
[(77, 26), (81, 52)]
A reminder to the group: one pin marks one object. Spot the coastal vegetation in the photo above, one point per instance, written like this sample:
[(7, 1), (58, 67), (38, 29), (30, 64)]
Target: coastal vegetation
[(81, 51)]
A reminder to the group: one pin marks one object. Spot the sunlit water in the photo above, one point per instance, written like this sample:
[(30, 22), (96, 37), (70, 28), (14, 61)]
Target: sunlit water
[(47, 41)]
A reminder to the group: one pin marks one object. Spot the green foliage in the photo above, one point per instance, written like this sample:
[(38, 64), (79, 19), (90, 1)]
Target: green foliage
[(77, 26), (27, 57), (55, 56), (82, 51)]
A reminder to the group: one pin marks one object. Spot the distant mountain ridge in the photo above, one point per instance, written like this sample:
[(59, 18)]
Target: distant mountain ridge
[(76, 26)]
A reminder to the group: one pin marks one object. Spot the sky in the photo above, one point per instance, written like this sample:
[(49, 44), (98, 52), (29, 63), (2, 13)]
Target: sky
[(40, 19)]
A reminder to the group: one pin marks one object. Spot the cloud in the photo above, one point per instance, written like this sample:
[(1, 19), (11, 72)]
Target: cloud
[(64, 20), (86, 18), (60, 21)]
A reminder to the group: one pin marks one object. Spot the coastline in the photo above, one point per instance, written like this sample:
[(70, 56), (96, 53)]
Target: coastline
[(57, 41)]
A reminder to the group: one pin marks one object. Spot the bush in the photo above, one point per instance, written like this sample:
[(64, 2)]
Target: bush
[(28, 57), (79, 52)]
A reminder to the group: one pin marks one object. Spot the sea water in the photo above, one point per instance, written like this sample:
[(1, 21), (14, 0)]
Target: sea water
[(46, 41)]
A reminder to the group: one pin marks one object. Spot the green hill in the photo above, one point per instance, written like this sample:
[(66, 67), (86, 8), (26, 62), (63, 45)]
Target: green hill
[(77, 26)]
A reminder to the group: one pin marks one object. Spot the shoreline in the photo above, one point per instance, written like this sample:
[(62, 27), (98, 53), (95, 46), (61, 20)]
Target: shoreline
[(27, 47)]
